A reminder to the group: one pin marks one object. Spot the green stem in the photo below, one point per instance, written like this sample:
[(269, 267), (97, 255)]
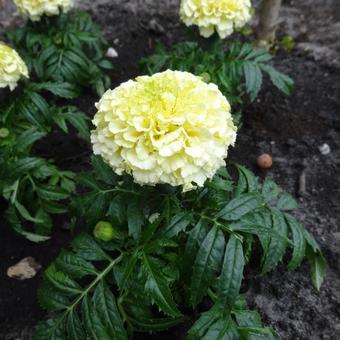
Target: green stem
[(120, 190), (98, 278), (88, 289), (222, 226), (212, 295)]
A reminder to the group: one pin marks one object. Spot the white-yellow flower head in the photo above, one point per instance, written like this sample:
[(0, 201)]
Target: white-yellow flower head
[(170, 128), (35, 9), (12, 67), (215, 15)]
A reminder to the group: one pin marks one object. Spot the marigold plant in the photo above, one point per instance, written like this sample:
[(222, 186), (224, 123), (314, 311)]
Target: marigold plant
[(35, 9), (12, 67), (221, 16), (159, 252), (170, 128)]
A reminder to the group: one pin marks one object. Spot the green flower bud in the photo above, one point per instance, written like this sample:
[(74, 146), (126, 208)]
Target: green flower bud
[(104, 231), (4, 133)]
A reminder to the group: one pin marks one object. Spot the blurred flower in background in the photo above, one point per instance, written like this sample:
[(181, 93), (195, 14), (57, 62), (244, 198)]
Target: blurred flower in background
[(35, 9), (12, 67), (221, 16)]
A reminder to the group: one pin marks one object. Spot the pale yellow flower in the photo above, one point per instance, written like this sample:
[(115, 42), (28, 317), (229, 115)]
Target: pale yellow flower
[(12, 67), (168, 128), (215, 15), (35, 9)]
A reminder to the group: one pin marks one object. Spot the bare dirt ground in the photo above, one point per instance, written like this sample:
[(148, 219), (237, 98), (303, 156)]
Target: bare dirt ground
[(290, 128)]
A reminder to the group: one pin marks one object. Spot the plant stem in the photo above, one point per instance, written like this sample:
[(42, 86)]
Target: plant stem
[(268, 21), (212, 295), (222, 226), (98, 278)]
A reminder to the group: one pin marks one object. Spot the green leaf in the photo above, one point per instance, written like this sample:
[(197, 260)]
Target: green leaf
[(247, 318), (256, 333), (195, 238), (79, 121), (298, 240), (29, 235), (135, 217), (280, 80), (103, 171), (231, 275), (253, 76), (286, 202), (25, 213), (51, 193), (86, 247), (74, 266), (178, 223), (270, 190), (26, 139), (51, 329), (240, 206), (207, 263), (222, 329), (93, 324), (277, 245), (107, 310), (24, 165), (117, 210), (61, 281), (51, 299), (156, 287), (247, 180), (200, 327), (154, 325), (128, 269), (61, 89), (318, 266), (88, 181), (311, 241), (74, 327)]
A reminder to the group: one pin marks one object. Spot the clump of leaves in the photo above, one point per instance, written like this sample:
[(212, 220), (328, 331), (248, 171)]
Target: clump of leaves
[(170, 251), (237, 68), (28, 107), (65, 48), (34, 187)]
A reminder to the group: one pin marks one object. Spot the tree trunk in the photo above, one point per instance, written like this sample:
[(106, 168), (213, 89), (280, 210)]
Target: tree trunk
[(268, 21)]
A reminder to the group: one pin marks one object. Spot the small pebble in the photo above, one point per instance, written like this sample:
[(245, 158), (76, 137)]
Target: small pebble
[(111, 53), (264, 161), (24, 269), (324, 149)]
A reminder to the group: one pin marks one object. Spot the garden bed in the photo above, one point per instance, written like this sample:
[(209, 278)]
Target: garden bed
[(290, 128)]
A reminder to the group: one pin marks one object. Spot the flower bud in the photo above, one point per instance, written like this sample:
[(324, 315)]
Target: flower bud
[(4, 133), (104, 231)]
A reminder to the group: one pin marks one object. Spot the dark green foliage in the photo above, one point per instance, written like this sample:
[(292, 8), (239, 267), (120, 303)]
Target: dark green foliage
[(65, 48), (174, 249), (34, 187), (236, 68)]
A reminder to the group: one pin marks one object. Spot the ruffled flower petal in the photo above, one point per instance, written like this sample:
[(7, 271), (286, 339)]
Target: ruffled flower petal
[(12, 67), (215, 15), (169, 128), (35, 9)]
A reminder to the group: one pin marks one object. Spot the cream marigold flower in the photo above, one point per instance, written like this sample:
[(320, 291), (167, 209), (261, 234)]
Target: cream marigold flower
[(168, 128), (219, 15), (35, 9), (12, 67)]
